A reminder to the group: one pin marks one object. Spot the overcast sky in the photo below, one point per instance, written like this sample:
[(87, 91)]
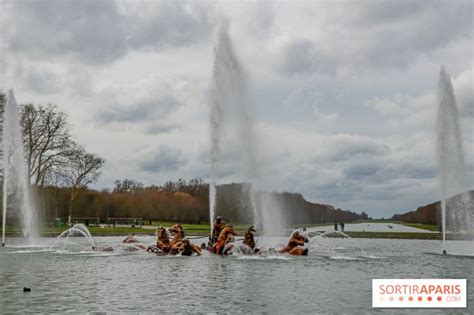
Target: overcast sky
[(344, 92)]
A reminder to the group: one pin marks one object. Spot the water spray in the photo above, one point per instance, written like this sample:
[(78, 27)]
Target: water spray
[(450, 158)]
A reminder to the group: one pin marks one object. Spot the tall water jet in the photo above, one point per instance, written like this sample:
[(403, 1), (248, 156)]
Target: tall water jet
[(16, 185), (230, 106), (455, 215), (232, 119), (215, 127), (4, 199)]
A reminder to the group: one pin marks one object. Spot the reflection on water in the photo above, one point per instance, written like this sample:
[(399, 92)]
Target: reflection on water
[(335, 277)]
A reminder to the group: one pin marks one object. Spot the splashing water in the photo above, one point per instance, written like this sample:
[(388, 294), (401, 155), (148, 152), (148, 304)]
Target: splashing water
[(457, 212), (230, 106), (77, 229), (212, 202), (273, 221), (231, 115), (16, 185), (216, 115)]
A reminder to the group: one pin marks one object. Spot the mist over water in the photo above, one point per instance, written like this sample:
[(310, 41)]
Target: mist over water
[(273, 220), (457, 212), (233, 133), (16, 185)]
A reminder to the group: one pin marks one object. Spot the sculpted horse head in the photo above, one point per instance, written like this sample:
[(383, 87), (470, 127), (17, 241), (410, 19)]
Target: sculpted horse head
[(179, 243), (226, 232), (163, 240), (248, 238), (293, 248), (162, 233), (298, 239), (176, 229)]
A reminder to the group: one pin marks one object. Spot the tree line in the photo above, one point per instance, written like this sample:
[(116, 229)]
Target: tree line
[(459, 213), (186, 202)]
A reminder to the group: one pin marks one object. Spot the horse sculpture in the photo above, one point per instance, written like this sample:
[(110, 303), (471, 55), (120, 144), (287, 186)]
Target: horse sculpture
[(296, 240), (227, 231), (187, 248), (249, 239), (163, 244), (179, 244), (162, 239)]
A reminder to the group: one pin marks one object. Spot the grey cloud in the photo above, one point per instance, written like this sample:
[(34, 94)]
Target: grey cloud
[(420, 172), (262, 19), (379, 171), (158, 127), (146, 110), (464, 94), (301, 56), (164, 160), (147, 103), (100, 31), (374, 12), (91, 31), (41, 81), (409, 169), (361, 171), (379, 35), (447, 20), (177, 23), (399, 32), (350, 148), (298, 57)]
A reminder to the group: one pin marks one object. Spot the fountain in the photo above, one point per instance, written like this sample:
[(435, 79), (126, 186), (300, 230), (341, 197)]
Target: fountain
[(456, 203), (229, 99), (231, 112), (77, 229), (16, 185)]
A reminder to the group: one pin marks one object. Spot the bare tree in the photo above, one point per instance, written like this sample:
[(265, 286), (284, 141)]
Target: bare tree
[(80, 170), (46, 137)]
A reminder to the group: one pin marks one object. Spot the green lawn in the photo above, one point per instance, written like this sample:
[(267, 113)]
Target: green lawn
[(203, 230), (198, 227), (353, 222), (301, 225), (394, 235), (190, 229), (415, 225), (377, 221), (428, 227)]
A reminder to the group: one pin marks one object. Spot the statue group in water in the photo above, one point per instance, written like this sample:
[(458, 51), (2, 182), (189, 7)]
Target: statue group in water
[(173, 241), (222, 241)]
